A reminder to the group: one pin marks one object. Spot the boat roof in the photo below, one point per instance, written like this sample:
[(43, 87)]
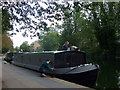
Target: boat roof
[(43, 52), (46, 52)]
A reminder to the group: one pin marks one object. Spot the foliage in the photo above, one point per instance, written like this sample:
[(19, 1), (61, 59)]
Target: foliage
[(78, 30), (90, 25), (0, 30), (0, 43), (50, 41), (103, 18), (25, 47), (6, 26), (16, 49), (6, 43), (31, 17)]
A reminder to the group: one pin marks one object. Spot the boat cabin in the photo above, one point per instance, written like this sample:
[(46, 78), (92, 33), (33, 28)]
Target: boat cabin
[(69, 59), (59, 59)]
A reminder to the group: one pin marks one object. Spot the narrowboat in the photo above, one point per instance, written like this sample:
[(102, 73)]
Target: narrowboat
[(68, 65), (9, 57)]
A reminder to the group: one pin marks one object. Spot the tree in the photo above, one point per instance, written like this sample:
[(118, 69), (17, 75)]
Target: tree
[(0, 43), (16, 49), (6, 25), (50, 41), (0, 21), (25, 47), (0, 30), (21, 13), (77, 28), (6, 43), (79, 18), (104, 22)]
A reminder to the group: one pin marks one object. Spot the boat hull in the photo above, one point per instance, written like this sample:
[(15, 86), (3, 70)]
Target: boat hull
[(85, 75), (86, 78)]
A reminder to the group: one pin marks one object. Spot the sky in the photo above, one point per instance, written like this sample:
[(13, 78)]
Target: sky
[(18, 39)]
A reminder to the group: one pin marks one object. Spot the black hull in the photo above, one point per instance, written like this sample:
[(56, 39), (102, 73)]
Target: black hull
[(86, 78), (8, 60), (78, 76)]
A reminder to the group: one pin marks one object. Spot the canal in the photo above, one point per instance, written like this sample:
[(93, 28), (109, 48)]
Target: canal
[(109, 73)]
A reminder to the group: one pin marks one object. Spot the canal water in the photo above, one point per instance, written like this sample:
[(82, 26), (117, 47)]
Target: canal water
[(109, 74)]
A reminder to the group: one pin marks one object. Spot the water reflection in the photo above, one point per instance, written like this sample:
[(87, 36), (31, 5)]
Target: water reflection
[(109, 74)]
